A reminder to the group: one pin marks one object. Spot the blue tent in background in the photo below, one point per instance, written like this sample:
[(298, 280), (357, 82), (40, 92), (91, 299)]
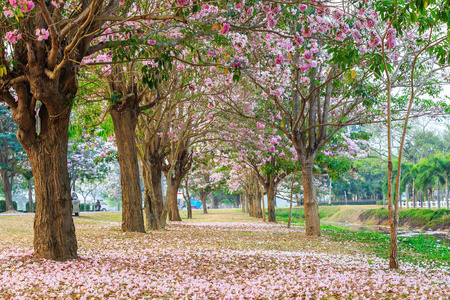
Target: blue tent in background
[(195, 204)]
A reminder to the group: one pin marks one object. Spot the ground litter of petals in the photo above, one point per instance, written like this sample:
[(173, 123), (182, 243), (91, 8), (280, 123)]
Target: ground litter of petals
[(242, 259)]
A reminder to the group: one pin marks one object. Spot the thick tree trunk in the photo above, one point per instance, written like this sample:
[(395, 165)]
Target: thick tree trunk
[(262, 202), (446, 191), (149, 219), (270, 192), (244, 203), (7, 189), (174, 214), (407, 196), (203, 199), (429, 197), (414, 194), (181, 166), (236, 201), (125, 120), (30, 196), (74, 180), (258, 212), (189, 209), (212, 201), (312, 222), (54, 231), (393, 256), (250, 201), (438, 194), (157, 199)]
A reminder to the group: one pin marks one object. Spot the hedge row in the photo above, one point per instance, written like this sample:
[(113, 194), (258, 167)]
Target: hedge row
[(3, 205), (368, 202)]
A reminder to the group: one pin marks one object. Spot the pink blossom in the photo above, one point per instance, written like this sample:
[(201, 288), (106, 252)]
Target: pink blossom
[(340, 36), (298, 39), (304, 67), (42, 34), (307, 55), (305, 80), (337, 14), (226, 28), (13, 36), (239, 5), (151, 42), (374, 40), (260, 125), (271, 23), (279, 59), (57, 5), (8, 13), (302, 7), (306, 31)]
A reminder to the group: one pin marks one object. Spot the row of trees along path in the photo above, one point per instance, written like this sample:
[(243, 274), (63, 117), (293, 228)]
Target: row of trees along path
[(169, 75)]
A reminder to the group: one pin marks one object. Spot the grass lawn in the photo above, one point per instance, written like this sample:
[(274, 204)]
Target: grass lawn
[(420, 249), (221, 255)]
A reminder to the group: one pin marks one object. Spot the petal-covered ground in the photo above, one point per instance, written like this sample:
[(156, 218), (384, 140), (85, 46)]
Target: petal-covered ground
[(242, 259)]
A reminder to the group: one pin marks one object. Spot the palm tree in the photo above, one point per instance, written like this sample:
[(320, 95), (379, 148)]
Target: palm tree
[(414, 174), (406, 181), (442, 166), (426, 179)]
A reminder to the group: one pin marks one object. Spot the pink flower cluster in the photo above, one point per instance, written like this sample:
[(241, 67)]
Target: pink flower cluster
[(42, 34), (13, 36), (23, 6), (226, 28), (212, 261)]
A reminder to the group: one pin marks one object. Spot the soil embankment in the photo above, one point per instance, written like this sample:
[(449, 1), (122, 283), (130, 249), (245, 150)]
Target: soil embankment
[(418, 218)]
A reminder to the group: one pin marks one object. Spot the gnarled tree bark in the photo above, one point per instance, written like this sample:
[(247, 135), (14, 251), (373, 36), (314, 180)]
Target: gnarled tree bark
[(125, 116)]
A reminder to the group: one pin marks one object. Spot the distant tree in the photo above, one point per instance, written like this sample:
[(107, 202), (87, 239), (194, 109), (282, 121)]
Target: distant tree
[(441, 165), (11, 153)]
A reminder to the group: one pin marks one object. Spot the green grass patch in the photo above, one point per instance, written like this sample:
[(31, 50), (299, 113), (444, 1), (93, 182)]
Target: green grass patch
[(417, 249), (379, 214), (416, 217), (298, 213), (102, 217)]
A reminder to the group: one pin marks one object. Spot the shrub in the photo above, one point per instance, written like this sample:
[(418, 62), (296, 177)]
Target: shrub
[(88, 208), (368, 202), (27, 206), (3, 205)]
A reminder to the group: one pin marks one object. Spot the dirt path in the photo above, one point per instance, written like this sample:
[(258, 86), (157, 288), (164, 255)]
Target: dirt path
[(221, 255)]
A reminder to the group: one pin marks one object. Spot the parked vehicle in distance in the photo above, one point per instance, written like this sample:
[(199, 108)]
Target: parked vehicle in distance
[(75, 204), (104, 206)]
